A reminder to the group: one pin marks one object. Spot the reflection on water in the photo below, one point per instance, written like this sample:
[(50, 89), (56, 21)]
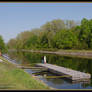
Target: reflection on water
[(80, 64)]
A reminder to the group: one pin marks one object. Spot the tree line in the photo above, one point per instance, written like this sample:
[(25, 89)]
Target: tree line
[(3, 46), (56, 34)]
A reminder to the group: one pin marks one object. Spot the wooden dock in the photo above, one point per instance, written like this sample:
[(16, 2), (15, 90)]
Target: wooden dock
[(33, 68), (74, 75), (26, 67)]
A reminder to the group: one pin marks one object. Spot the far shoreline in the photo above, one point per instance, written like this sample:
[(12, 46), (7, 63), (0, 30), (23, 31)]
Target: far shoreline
[(70, 53)]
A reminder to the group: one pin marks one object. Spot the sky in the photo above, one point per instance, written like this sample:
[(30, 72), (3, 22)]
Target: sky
[(19, 17)]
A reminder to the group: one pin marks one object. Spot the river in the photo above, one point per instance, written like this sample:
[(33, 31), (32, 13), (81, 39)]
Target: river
[(80, 64)]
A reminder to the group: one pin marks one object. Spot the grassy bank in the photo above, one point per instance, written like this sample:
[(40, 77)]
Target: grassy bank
[(14, 78)]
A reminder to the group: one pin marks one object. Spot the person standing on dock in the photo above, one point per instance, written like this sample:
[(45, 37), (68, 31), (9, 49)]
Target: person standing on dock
[(44, 59), (0, 53)]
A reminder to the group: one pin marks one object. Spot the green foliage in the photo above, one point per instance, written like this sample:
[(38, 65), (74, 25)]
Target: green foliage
[(65, 39), (70, 24), (56, 34), (11, 44), (44, 41), (86, 33), (32, 42), (54, 26), (3, 47)]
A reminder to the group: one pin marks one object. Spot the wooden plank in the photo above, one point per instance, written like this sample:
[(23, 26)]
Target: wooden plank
[(75, 75), (26, 67)]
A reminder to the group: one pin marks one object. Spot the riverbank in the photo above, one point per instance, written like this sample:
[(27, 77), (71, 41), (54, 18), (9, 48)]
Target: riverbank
[(14, 78), (70, 53)]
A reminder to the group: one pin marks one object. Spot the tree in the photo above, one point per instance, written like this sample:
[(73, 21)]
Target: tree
[(65, 39), (57, 34), (11, 44), (69, 24), (54, 26), (2, 45), (90, 35), (85, 33), (32, 42), (44, 40)]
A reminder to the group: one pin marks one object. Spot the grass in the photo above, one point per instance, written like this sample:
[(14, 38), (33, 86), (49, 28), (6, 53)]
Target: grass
[(15, 78)]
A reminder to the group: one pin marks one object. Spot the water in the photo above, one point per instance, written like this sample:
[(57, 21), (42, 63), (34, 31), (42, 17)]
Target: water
[(80, 64)]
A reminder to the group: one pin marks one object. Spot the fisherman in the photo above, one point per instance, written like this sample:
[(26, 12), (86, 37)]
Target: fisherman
[(0, 53), (44, 59)]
